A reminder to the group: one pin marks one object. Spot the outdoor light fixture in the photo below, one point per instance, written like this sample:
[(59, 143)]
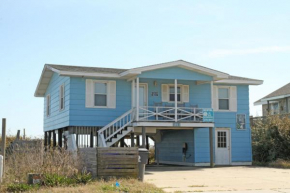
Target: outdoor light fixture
[(155, 83)]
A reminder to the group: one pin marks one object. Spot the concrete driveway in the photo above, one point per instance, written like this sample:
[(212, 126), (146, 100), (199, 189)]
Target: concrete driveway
[(242, 179)]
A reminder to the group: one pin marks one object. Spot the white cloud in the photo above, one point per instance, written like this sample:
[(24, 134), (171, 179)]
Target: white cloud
[(229, 52)]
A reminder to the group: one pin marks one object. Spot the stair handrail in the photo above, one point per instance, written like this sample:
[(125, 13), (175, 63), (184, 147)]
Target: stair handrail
[(132, 117)]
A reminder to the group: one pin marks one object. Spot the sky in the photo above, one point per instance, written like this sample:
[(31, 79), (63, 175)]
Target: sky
[(241, 37)]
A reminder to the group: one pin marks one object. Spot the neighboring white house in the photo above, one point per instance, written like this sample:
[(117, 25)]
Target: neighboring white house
[(277, 102)]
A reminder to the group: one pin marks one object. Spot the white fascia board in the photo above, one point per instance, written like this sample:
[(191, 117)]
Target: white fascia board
[(88, 74), (171, 124), (195, 67), (40, 82), (275, 98), (259, 103), (247, 82)]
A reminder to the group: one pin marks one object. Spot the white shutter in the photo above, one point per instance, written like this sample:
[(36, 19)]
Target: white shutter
[(165, 92), (185, 93), (233, 98), (215, 98), (111, 94), (89, 93)]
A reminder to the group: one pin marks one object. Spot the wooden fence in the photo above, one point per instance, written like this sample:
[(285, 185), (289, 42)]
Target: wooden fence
[(117, 162)]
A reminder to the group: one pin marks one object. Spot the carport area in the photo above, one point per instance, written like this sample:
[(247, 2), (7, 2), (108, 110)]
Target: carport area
[(219, 179)]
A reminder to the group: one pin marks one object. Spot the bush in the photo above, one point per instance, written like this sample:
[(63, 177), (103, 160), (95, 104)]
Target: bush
[(271, 139), (21, 187)]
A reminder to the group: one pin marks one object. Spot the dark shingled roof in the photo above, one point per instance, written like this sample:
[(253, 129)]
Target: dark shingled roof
[(86, 69), (284, 90)]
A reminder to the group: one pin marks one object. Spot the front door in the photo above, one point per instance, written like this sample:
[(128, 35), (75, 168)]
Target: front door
[(222, 147), (142, 99)]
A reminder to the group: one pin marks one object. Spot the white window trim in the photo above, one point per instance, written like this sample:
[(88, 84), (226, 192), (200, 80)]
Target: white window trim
[(105, 82), (178, 85), (48, 106), (218, 100), (61, 109)]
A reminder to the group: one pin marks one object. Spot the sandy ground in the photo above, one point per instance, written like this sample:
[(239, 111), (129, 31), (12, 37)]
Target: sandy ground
[(242, 179)]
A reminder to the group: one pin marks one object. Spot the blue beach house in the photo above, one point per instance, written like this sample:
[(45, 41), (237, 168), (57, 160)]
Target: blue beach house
[(195, 115)]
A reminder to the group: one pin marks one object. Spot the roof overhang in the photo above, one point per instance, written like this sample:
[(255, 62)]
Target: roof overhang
[(180, 63), (246, 82), (265, 100)]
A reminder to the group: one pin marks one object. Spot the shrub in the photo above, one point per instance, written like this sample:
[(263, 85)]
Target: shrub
[(271, 139), (21, 187)]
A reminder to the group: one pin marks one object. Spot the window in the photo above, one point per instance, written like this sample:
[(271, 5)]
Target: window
[(223, 98), (61, 97), (222, 139), (100, 96), (47, 105), (274, 108), (172, 94)]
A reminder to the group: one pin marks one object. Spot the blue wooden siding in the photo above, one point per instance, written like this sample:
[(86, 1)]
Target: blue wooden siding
[(241, 147), (170, 148), (175, 73), (198, 94), (82, 116), (201, 144), (58, 118)]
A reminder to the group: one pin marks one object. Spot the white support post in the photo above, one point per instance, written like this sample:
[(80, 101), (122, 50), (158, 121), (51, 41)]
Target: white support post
[(211, 89), (137, 100), (175, 92), (133, 94)]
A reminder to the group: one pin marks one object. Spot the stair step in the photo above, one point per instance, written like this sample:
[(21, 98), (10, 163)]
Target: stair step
[(119, 136)]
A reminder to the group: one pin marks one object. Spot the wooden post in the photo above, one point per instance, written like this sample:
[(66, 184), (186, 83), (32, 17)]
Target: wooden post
[(53, 139), (132, 139), (268, 106), (143, 137), (211, 146), (60, 137), (3, 145), (175, 97), (18, 135), (24, 133), (147, 142), (49, 139), (122, 142), (138, 140), (45, 139), (91, 139)]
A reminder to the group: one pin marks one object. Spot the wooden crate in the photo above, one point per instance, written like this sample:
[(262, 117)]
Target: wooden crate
[(117, 162)]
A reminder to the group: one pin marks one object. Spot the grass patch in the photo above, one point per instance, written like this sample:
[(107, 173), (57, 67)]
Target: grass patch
[(126, 185), (194, 186), (275, 164)]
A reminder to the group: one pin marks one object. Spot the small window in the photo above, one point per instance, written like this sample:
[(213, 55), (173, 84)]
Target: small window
[(47, 105), (61, 97), (222, 139), (100, 94), (172, 94), (223, 94)]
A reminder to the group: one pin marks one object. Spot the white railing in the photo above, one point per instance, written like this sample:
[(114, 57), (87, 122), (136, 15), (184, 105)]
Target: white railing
[(187, 114), (116, 126)]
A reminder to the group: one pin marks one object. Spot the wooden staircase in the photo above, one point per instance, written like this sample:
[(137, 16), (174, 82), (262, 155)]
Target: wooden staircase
[(116, 130)]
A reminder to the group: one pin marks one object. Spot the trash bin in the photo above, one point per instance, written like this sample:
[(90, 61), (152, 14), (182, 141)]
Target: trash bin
[(142, 160)]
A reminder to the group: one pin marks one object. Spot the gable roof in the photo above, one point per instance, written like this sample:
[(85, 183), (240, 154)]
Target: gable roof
[(282, 92), (82, 71)]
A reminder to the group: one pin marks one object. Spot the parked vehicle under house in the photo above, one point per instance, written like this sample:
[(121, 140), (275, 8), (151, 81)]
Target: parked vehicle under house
[(195, 115)]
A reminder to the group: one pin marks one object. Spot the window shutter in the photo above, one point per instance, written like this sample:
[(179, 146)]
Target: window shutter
[(185, 93), (89, 93), (111, 94), (233, 98), (165, 92), (215, 98)]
